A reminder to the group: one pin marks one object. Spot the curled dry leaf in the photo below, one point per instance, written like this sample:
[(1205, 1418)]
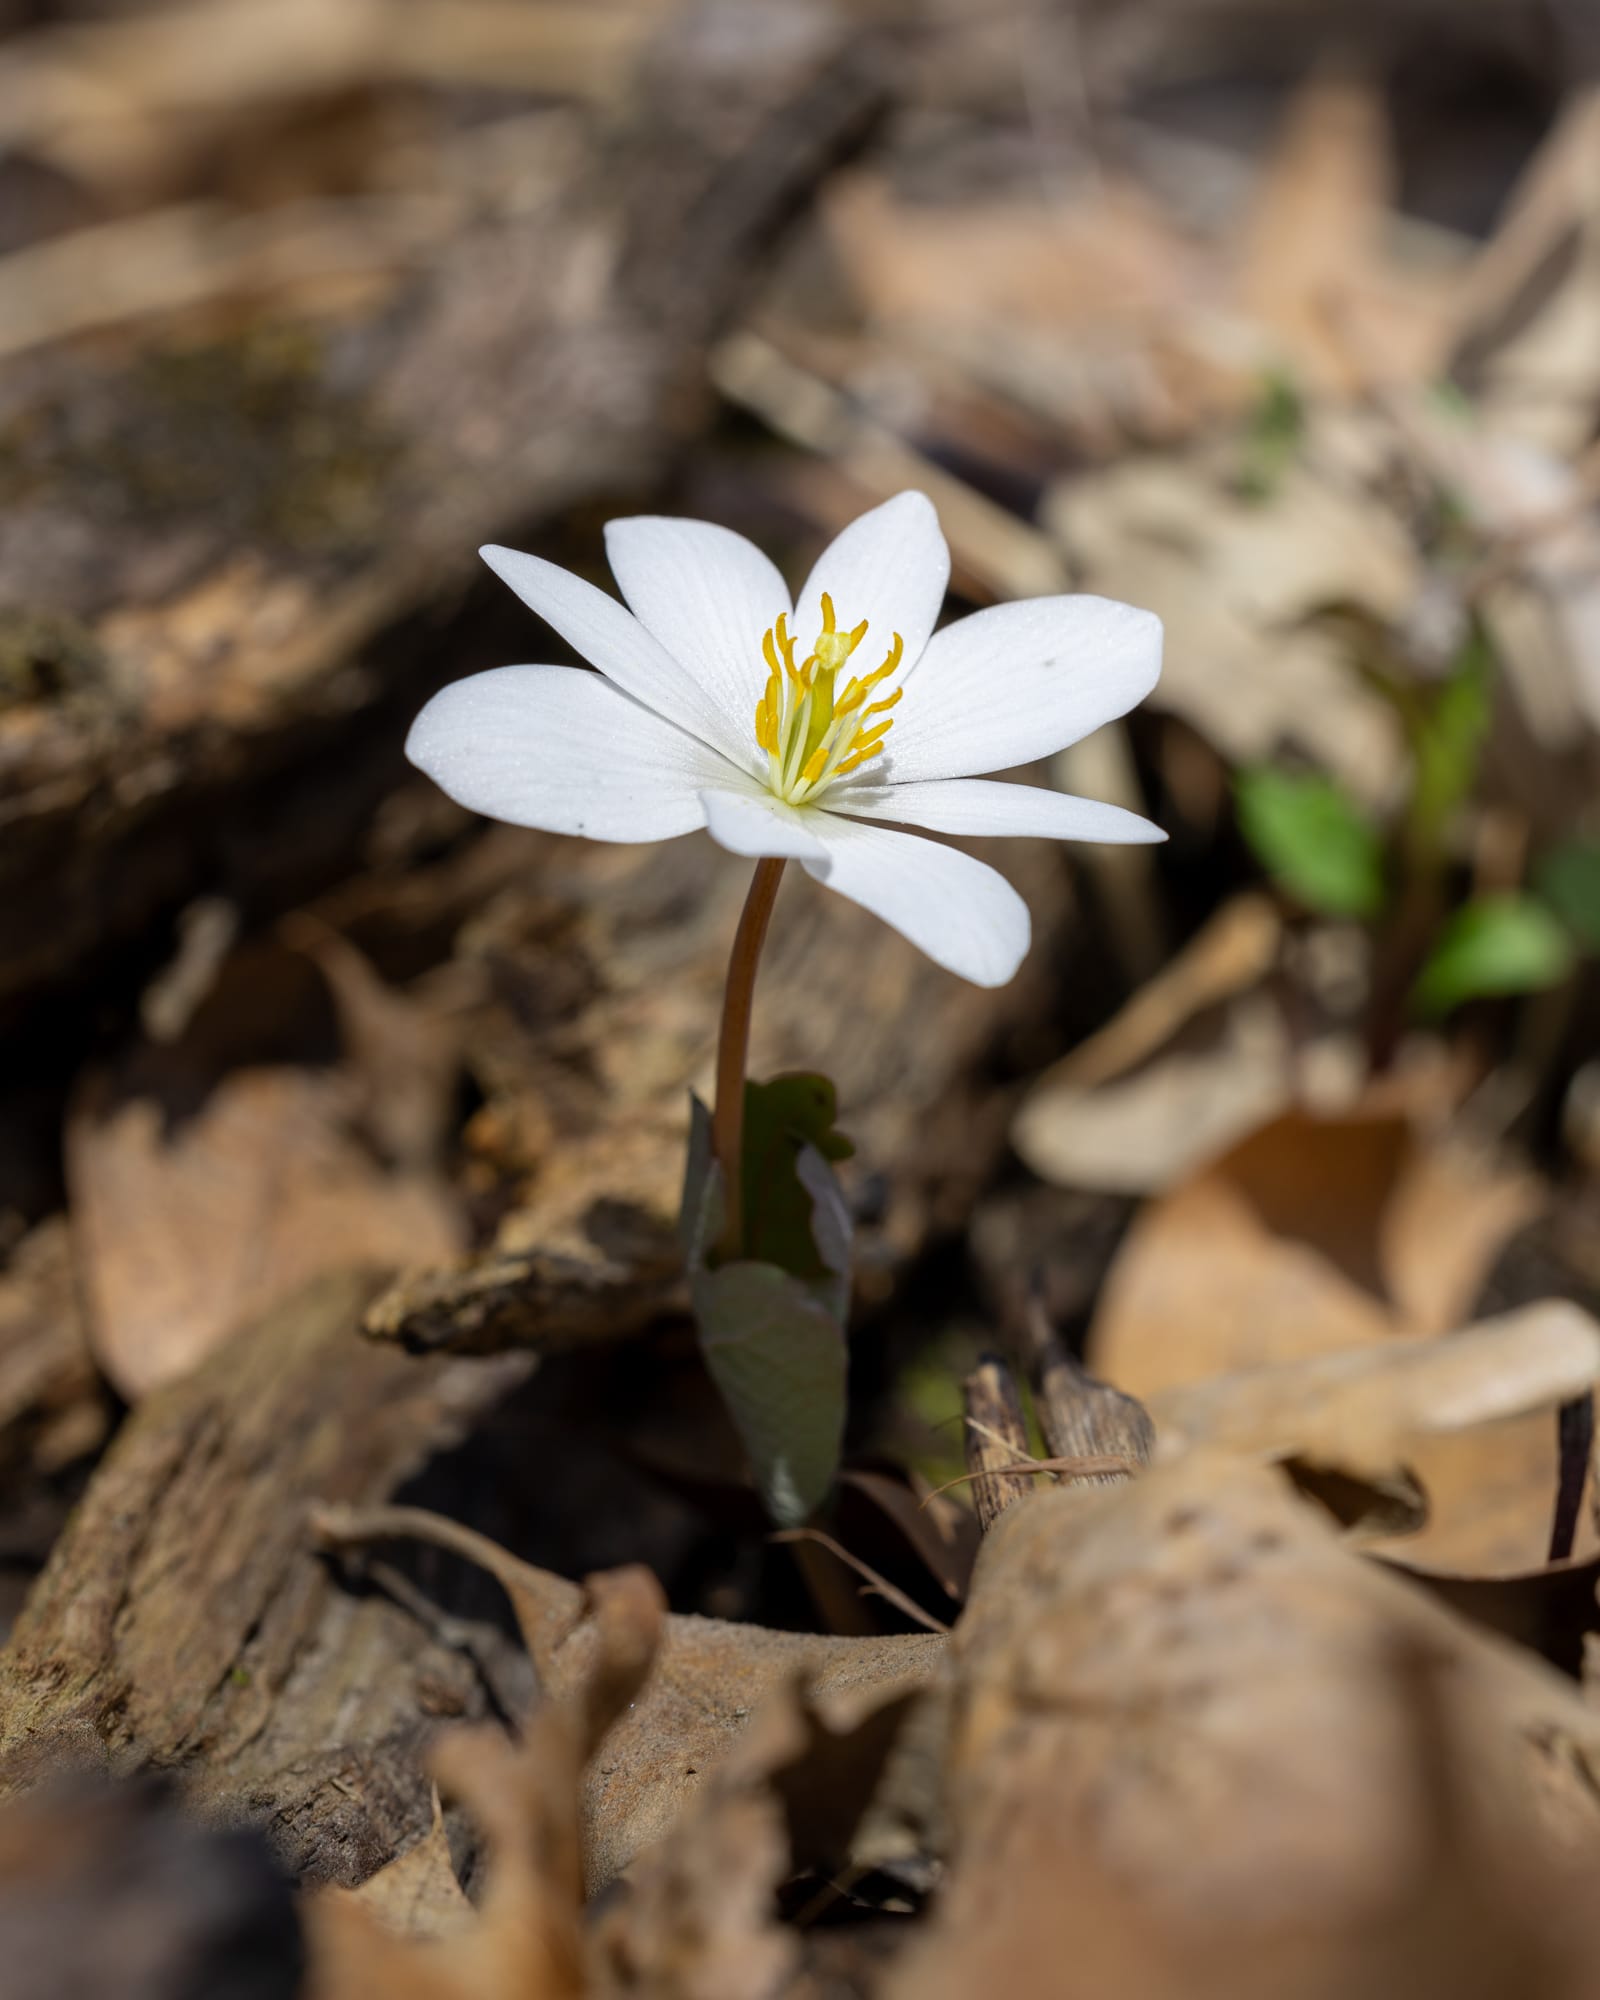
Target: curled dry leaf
[(1318, 1236), (1362, 1408), (1311, 1235), (189, 1226), (697, 1915), (1189, 1691), (527, 1943), (692, 1708), (213, 1176)]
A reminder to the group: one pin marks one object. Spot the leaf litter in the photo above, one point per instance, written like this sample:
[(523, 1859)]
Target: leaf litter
[(1260, 1676)]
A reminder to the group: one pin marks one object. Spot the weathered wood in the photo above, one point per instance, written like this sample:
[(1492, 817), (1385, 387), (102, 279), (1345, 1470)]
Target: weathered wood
[(996, 1439), (185, 1624), (217, 548), (1081, 1417)]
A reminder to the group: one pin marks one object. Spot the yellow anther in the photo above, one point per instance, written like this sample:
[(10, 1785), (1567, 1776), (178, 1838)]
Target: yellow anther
[(811, 728)]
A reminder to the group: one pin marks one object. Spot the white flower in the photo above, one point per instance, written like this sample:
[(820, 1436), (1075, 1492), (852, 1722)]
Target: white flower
[(788, 730)]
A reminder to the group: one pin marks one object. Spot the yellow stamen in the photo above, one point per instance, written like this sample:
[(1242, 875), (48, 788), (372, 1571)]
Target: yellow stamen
[(809, 721), (786, 644)]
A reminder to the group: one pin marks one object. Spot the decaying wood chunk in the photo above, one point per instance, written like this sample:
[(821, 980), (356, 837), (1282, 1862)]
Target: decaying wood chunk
[(213, 541), (184, 1622)]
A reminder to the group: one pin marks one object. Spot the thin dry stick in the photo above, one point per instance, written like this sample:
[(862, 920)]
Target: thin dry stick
[(733, 1044), (1076, 1471), (881, 1585)]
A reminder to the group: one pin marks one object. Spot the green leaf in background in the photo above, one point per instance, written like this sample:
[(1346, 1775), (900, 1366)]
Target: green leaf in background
[(791, 1200), (1273, 435), (777, 1355), (1312, 838), (1496, 945), (1568, 878), (1447, 738)]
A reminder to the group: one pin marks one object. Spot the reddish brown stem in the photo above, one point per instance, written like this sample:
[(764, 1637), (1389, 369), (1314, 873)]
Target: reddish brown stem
[(733, 1044)]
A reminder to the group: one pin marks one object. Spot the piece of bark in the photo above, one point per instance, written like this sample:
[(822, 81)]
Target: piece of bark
[(184, 1623), (215, 544), (996, 1439), (1083, 1418)]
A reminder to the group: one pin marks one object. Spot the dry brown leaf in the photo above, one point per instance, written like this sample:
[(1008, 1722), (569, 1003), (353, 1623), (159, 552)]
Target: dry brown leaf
[(190, 1220), (527, 1943), (697, 1918), (1364, 1408), (1238, 585), (1312, 247), (1311, 1236), (1316, 1237), (1176, 1076), (417, 1895), (694, 1706)]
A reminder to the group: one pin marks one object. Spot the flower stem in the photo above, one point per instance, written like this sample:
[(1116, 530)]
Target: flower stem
[(733, 1044)]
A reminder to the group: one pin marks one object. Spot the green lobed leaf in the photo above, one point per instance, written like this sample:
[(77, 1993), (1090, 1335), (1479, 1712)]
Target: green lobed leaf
[(1312, 839), (1568, 878), (1496, 945), (777, 1355), (771, 1324), (793, 1210)]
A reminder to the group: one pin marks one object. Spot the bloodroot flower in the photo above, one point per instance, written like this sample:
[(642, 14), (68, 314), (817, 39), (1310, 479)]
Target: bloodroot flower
[(794, 731)]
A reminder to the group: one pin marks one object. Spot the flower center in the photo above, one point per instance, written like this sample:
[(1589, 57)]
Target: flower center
[(812, 730)]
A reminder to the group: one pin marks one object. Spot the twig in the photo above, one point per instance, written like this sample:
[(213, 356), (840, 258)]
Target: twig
[(878, 1585)]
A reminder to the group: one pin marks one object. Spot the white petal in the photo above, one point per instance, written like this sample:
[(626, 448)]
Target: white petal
[(982, 805), (562, 749), (608, 635), (963, 914), (890, 567), (758, 824), (708, 595), (1020, 681)]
